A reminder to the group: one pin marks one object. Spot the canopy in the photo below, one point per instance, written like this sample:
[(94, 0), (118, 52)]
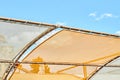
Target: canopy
[(70, 53)]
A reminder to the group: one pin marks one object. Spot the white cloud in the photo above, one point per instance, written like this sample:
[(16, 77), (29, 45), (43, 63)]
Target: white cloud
[(108, 15), (102, 16), (105, 15), (93, 14)]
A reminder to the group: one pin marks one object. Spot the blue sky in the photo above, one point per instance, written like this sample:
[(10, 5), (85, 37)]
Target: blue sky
[(97, 15)]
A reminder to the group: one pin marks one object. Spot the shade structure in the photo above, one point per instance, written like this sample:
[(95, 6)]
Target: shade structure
[(71, 53)]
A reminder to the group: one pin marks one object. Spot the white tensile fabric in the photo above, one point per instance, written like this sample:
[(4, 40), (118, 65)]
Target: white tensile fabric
[(14, 37), (108, 73)]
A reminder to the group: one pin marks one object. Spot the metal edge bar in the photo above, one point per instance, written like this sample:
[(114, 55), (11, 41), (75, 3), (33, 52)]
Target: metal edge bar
[(61, 63), (58, 26)]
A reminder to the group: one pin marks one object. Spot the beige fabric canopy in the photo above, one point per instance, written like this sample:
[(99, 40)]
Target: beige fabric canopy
[(71, 46), (62, 51), (74, 47)]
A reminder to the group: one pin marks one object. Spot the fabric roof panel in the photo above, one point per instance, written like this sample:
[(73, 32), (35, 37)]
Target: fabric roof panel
[(77, 47), (14, 37), (70, 46)]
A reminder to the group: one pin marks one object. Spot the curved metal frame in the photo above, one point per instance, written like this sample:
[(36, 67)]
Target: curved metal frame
[(24, 50), (102, 67)]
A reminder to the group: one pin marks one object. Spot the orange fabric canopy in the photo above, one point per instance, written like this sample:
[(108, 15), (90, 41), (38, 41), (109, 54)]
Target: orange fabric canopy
[(74, 47)]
